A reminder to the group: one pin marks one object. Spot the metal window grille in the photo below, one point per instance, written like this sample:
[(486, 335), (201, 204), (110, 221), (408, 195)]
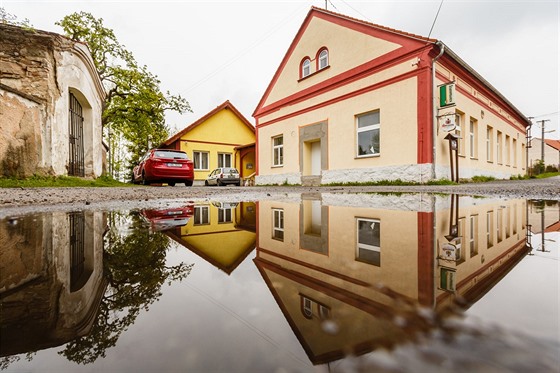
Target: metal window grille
[(77, 250)]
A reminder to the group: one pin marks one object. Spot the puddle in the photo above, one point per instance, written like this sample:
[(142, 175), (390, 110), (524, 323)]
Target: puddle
[(313, 282)]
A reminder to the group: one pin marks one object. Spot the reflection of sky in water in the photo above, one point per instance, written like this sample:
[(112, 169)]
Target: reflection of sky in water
[(234, 320), (527, 298)]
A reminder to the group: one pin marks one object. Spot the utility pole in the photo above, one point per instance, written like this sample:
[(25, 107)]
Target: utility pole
[(542, 143)]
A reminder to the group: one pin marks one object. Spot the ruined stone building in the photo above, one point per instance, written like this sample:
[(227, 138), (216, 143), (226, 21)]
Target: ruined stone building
[(50, 106)]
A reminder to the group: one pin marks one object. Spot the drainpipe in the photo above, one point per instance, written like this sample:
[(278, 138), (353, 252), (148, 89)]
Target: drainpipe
[(441, 47)]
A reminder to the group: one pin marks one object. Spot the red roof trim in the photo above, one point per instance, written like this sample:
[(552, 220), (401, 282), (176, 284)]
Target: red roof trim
[(343, 20), (225, 105)]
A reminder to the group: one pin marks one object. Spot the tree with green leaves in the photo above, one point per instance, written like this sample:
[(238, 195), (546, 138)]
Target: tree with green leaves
[(134, 109)]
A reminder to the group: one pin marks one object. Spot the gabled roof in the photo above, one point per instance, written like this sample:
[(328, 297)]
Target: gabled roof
[(553, 143), (363, 26), (329, 15), (226, 105)]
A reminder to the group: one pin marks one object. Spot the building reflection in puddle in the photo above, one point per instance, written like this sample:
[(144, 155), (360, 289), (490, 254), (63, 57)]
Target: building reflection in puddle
[(350, 273), (221, 233), (52, 279), (352, 279), (78, 278)]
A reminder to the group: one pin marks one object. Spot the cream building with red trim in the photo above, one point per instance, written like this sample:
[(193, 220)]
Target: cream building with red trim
[(355, 101)]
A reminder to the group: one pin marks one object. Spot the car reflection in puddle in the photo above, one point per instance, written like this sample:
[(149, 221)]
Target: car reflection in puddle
[(165, 219), (316, 282)]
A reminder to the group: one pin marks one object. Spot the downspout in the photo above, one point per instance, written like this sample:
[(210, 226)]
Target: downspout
[(434, 107), (434, 138)]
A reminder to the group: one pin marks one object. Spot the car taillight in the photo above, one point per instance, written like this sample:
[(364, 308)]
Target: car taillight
[(221, 176)]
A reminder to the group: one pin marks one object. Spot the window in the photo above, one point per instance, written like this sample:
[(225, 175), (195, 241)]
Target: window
[(514, 150), (224, 215), (473, 138), (508, 150), (368, 247), (278, 224), (368, 134), (473, 236), (305, 67), (278, 151), (489, 145), (323, 60), (499, 147), (224, 159), (200, 160), (459, 132), (201, 215), (489, 229), (499, 224)]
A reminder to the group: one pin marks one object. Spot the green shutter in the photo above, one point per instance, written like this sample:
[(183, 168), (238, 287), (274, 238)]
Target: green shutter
[(442, 95)]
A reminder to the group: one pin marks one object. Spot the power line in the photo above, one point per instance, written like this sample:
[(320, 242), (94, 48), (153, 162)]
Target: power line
[(357, 11), (545, 115), (244, 51)]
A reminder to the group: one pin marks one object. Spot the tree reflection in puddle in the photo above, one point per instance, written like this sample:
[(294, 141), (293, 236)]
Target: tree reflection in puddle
[(365, 282)]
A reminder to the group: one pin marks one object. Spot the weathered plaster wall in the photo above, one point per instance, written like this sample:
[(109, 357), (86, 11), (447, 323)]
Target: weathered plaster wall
[(38, 70)]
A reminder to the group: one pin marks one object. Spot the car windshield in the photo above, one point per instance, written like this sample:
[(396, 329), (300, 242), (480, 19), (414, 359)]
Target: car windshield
[(170, 154), (227, 170)]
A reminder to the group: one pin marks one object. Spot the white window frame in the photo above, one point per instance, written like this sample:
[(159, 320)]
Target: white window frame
[(364, 246), (323, 59), (278, 152), (197, 160), (278, 224), (198, 216), (306, 68), (225, 215), (222, 158), (489, 146), (372, 127)]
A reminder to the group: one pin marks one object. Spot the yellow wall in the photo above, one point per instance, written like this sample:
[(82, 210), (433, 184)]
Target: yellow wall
[(490, 115), (220, 133)]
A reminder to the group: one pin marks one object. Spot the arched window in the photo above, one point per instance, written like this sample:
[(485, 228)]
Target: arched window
[(323, 60), (305, 67)]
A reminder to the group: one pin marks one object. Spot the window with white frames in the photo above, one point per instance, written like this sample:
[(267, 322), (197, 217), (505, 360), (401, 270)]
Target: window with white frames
[(278, 224), (473, 236), (224, 159), (514, 152), (473, 138), (305, 68), (201, 215), (489, 146), (459, 132), (224, 215), (499, 147), (368, 241), (200, 160), (489, 229), (323, 59), (278, 151), (367, 136)]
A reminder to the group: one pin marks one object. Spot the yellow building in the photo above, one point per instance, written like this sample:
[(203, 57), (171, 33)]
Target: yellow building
[(354, 101), (223, 234), (221, 138)]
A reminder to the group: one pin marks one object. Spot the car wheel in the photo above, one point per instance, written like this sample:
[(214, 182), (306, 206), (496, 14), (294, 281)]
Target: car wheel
[(171, 184), (238, 184), (144, 181), (206, 183), (218, 183), (189, 183)]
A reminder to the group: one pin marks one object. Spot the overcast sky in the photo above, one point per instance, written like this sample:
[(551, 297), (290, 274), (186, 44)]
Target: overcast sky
[(212, 51)]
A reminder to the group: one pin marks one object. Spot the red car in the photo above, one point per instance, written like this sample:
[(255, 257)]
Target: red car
[(164, 166)]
